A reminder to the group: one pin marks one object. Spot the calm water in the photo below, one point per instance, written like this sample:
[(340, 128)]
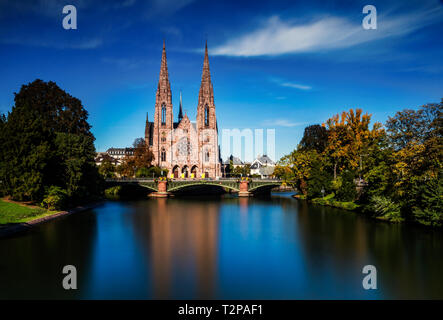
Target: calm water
[(226, 248)]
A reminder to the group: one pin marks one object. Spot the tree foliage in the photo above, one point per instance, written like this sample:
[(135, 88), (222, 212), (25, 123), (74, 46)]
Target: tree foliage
[(46, 141), (399, 168)]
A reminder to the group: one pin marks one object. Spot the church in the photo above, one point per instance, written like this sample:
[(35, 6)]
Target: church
[(185, 148)]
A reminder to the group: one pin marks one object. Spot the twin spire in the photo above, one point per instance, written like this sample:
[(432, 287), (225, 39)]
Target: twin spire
[(206, 90)]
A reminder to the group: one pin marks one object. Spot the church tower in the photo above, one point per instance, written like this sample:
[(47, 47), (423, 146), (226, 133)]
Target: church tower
[(207, 124), (163, 117)]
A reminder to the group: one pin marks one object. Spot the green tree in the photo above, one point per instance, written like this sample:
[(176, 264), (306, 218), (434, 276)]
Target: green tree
[(315, 137), (46, 141), (428, 202), (347, 191)]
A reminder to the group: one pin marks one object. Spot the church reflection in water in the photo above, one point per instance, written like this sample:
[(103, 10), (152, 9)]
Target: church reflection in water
[(180, 261)]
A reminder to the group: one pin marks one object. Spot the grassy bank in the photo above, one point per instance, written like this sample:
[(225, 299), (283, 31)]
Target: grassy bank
[(330, 201), (13, 212)]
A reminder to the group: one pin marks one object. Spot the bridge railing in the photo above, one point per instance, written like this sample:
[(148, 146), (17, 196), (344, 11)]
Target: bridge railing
[(187, 179)]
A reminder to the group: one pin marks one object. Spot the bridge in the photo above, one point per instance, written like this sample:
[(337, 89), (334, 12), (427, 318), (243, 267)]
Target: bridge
[(166, 187)]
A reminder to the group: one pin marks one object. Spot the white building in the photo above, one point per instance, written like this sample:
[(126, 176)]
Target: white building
[(263, 166)]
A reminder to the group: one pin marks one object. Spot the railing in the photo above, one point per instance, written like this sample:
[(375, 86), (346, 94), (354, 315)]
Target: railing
[(176, 184)]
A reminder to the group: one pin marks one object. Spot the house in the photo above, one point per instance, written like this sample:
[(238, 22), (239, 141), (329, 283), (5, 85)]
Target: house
[(262, 166), (236, 162)]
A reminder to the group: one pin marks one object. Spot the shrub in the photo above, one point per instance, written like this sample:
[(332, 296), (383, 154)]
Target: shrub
[(385, 208), (55, 198), (142, 173), (113, 192)]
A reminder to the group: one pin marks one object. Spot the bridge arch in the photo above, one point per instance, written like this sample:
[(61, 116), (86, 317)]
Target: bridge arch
[(180, 185)]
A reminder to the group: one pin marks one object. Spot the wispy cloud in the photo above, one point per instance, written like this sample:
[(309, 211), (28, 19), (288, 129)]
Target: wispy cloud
[(296, 86), (281, 123), (290, 84), (276, 37)]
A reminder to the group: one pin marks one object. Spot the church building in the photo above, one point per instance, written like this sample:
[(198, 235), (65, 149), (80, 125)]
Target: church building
[(187, 149)]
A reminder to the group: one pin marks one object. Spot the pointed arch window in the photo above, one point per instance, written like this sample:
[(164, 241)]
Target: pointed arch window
[(163, 155), (163, 113), (207, 156), (206, 115)]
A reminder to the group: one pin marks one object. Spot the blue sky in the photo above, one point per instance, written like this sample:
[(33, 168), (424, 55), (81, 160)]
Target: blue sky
[(274, 64)]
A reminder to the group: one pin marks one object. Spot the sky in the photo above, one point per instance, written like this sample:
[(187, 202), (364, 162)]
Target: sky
[(279, 65)]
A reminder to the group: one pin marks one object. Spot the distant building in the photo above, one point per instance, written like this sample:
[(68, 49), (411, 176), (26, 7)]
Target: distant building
[(120, 153), (113, 155), (263, 166), (236, 162)]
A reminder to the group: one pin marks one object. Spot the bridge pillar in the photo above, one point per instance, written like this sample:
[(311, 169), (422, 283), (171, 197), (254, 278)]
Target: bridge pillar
[(244, 189), (162, 190)]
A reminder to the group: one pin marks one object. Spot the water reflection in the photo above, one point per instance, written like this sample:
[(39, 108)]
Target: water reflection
[(31, 263), (180, 239), (229, 248)]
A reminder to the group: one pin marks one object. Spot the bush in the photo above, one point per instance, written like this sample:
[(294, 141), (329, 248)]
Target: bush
[(143, 173), (113, 192), (347, 190), (55, 198), (385, 208), (428, 209)]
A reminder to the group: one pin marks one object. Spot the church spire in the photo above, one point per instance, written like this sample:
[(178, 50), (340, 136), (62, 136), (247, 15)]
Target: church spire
[(164, 85), (206, 94), (180, 111)]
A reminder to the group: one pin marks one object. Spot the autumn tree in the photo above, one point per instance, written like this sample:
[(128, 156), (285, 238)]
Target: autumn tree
[(143, 156)]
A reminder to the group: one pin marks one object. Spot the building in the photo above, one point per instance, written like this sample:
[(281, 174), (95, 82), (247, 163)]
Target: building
[(262, 166), (185, 148), (236, 162), (113, 155)]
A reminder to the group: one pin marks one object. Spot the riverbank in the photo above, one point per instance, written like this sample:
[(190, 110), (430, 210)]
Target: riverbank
[(330, 201), (16, 217)]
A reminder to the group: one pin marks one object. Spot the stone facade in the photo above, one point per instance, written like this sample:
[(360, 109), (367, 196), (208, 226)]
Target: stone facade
[(185, 148)]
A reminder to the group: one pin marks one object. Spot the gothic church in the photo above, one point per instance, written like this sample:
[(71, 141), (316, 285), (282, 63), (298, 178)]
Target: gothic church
[(187, 149)]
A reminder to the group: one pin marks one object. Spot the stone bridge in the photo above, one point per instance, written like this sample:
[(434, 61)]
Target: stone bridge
[(165, 188)]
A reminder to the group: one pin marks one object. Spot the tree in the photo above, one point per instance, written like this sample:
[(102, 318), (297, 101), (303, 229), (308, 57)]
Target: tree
[(350, 138), (347, 191), (428, 202), (315, 137), (243, 171), (46, 141), (107, 169), (319, 180), (417, 140), (143, 156)]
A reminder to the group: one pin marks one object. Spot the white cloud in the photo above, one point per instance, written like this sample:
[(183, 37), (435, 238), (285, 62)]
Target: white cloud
[(296, 86), (276, 37), (289, 84), (281, 123)]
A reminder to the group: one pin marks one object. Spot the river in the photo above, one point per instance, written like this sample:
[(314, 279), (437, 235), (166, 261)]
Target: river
[(221, 248)]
